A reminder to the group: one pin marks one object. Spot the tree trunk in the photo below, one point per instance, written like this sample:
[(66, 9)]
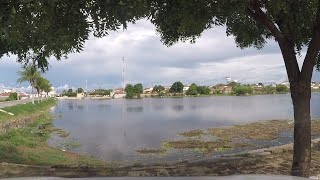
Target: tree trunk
[(32, 95), (301, 96)]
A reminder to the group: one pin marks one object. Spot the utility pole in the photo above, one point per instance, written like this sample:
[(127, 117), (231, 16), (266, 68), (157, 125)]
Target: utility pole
[(86, 87), (123, 82)]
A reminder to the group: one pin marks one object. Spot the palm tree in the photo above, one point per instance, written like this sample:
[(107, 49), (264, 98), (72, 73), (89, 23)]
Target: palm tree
[(43, 85), (29, 74)]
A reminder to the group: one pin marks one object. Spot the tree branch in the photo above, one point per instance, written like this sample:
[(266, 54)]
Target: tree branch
[(259, 16), (286, 45), (313, 49)]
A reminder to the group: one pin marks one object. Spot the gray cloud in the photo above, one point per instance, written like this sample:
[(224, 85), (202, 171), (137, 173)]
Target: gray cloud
[(213, 57)]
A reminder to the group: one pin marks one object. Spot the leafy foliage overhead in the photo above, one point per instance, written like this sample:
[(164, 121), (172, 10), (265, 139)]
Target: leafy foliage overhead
[(292, 24), (181, 20), (39, 29)]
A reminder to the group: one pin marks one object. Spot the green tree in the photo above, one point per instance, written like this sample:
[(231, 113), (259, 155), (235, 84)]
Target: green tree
[(130, 91), (280, 88), (253, 23), (12, 97), (70, 90), (138, 89), (177, 87), (269, 90), (101, 92), (80, 90), (37, 30), (241, 90), (233, 84), (158, 89), (203, 90), (192, 90), (47, 87), (29, 74), (44, 85), (41, 82)]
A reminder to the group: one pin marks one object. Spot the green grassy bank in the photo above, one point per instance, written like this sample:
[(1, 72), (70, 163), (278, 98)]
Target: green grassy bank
[(28, 145), (23, 110)]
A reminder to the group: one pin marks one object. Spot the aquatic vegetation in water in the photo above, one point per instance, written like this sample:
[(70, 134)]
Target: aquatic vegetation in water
[(217, 140), (193, 133), (61, 133), (151, 151), (69, 144)]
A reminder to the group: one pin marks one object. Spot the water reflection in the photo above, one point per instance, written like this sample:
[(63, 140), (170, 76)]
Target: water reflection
[(135, 109), (115, 129), (70, 106), (80, 107), (178, 107)]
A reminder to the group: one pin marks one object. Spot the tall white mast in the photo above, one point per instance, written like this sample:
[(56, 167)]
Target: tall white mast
[(123, 82), (86, 86)]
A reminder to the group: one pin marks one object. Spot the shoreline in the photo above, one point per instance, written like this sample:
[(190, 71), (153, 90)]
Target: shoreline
[(28, 154), (25, 142), (276, 160), (161, 97)]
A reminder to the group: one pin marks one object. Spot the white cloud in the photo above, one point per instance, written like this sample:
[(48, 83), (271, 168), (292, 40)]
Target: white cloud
[(213, 57)]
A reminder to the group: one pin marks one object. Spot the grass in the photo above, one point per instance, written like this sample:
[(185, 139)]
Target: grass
[(28, 146), (193, 133), (22, 110), (151, 151), (229, 138)]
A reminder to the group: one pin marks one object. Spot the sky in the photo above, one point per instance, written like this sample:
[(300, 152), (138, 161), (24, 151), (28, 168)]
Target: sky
[(209, 61)]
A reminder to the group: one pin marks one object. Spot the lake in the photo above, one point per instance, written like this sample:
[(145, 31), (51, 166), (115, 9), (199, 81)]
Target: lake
[(115, 129)]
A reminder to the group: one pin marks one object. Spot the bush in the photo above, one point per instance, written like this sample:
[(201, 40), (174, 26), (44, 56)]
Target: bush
[(269, 90), (12, 97), (70, 94), (242, 90), (280, 88)]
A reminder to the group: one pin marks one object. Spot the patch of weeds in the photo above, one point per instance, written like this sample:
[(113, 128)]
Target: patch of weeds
[(69, 144), (61, 133), (192, 144), (241, 145), (152, 151), (193, 133), (28, 145), (9, 153), (253, 131), (223, 149)]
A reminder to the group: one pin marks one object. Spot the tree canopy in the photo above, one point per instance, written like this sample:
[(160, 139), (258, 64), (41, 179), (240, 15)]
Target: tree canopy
[(177, 87), (158, 89), (133, 91), (36, 30), (192, 90)]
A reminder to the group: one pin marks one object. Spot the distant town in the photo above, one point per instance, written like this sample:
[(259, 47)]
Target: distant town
[(177, 89)]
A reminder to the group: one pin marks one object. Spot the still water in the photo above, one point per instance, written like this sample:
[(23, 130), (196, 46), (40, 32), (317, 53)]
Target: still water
[(115, 129)]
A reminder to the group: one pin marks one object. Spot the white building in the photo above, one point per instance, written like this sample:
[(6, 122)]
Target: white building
[(286, 83), (229, 80), (185, 89), (147, 90), (8, 91)]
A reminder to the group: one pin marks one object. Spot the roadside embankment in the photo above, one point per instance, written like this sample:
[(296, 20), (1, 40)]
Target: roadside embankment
[(23, 139), (21, 115)]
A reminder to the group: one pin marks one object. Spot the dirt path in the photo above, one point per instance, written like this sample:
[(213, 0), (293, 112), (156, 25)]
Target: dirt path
[(13, 103)]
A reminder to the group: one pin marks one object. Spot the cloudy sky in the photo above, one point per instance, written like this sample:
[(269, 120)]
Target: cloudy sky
[(212, 58)]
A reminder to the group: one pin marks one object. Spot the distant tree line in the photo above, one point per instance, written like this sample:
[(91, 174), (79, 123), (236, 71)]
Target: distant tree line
[(198, 90), (101, 92), (177, 89)]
